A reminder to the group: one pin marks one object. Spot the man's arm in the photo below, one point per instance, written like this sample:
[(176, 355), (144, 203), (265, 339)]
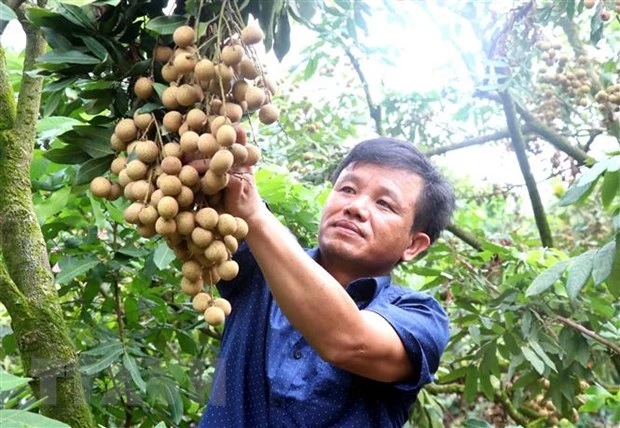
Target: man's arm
[(314, 302)]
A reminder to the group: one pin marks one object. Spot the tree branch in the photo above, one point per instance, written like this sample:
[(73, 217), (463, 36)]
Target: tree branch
[(572, 34), (530, 182), (499, 135), (375, 110), (7, 98), (465, 236), (590, 333), (10, 296)]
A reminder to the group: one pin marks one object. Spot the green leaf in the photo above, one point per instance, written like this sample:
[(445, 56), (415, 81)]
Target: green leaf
[(174, 401), (53, 205), (51, 127), (130, 364), (186, 342), (95, 47), (163, 256), (603, 262), (570, 8), (76, 15), (609, 189), (531, 356), (67, 58), (160, 425), (311, 67), (6, 13), (546, 279), (71, 267), (542, 354), (105, 348), (578, 273), (575, 193), (471, 384), (9, 381), (93, 168), (132, 311), (97, 207), (476, 423), (23, 419), (68, 155), (164, 25), (102, 363), (613, 280)]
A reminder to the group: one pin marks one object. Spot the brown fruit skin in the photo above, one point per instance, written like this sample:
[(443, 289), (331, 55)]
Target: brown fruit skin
[(186, 95), (251, 35), (215, 123), (232, 55), (223, 304), (162, 53), (117, 144), (168, 207), (242, 228), (221, 161), (132, 212), (196, 119), (123, 178), (147, 151), (141, 189), (253, 155), (201, 301), (232, 111), (173, 120), (185, 222), (169, 73), (189, 176), (207, 145), (247, 69), (192, 270), (239, 89), (143, 88), (165, 227), (201, 237), (148, 215), (142, 120), (240, 153), (216, 252), (184, 63), (214, 316), (255, 97), (146, 230), (184, 36), (185, 198), (589, 4), (228, 270), (170, 185), (169, 97), (171, 165), (231, 244), (136, 169), (172, 149), (212, 183), (207, 218), (191, 288), (268, 114), (189, 142), (115, 192), (226, 135), (126, 130), (226, 224), (100, 187), (204, 70)]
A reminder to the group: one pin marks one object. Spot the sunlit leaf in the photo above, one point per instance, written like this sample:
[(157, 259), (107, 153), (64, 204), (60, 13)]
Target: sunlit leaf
[(610, 187), (578, 273), (476, 423), (67, 58), (68, 155), (165, 24), (603, 262), (93, 168), (471, 384), (102, 363), (531, 356), (9, 381), (130, 364), (23, 419), (163, 256), (6, 13), (53, 204), (71, 267), (546, 279)]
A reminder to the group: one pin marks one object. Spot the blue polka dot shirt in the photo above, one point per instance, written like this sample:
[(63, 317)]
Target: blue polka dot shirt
[(268, 376)]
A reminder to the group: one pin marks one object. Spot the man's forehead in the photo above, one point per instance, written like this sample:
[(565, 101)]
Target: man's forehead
[(353, 170)]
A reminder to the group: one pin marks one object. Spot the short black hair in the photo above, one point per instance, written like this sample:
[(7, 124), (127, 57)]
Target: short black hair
[(435, 204)]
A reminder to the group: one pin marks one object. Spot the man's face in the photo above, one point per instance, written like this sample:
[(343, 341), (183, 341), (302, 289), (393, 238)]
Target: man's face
[(368, 217)]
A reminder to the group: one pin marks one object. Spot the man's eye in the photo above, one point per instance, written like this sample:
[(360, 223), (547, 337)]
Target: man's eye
[(347, 189), (383, 203)]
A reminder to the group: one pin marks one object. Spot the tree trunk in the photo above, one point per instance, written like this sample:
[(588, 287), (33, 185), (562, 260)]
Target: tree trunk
[(27, 286)]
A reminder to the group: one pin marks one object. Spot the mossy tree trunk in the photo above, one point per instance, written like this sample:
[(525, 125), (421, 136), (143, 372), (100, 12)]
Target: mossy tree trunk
[(27, 287)]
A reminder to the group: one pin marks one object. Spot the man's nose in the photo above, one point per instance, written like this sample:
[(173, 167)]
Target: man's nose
[(358, 208)]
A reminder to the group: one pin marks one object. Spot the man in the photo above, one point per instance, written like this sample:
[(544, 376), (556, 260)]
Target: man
[(322, 338)]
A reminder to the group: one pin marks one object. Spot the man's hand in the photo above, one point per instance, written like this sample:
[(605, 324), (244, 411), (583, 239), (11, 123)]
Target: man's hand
[(241, 196)]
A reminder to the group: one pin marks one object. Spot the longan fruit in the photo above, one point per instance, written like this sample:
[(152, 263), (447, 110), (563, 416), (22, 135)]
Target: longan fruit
[(231, 243), (184, 63), (239, 89), (184, 36), (146, 230), (251, 35), (100, 187), (189, 142), (126, 130), (183, 129), (226, 135), (247, 69), (185, 198), (268, 114), (170, 185), (202, 237), (207, 144), (171, 165), (142, 120), (207, 218), (214, 316), (227, 270), (131, 147), (136, 169), (240, 153), (192, 288), (253, 155), (172, 149), (115, 192), (165, 226), (224, 72), (117, 144), (192, 270), (156, 197), (172, 120), (141, 189), (162, 53), (196, 119), (185, 222), (143, 88), (201, 301), (186, 95), (215, 123), (168, 207), (266, 82), (128, 191), (242, 228), (255, 97), (132, 212), (226, 224), (221, 161), (223, 304), (204, 70), (232, 54), (169, 97), (216, 252), (169, 73), (212, 183), (148, 215), (232, 111), (123, 178), (147, 151), (189, 176)]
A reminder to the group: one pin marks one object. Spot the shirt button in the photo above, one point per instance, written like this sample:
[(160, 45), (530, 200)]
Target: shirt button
[(297, 355)]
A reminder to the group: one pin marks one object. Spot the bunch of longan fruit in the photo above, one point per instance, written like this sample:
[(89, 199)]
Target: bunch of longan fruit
[(173, 163)]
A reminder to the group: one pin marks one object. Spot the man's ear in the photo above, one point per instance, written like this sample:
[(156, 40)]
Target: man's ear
[(419, 242)]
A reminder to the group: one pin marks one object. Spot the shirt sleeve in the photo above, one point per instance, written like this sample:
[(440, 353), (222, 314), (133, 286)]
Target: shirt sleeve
[(422, 325)]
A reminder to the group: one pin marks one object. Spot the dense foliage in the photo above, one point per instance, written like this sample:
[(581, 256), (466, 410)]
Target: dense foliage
[(532, 293)]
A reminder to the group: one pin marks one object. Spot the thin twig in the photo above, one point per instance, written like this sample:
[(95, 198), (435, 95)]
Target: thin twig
[(590, 333)]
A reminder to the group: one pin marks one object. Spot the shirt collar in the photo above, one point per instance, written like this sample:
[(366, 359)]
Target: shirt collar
[(362, 290)]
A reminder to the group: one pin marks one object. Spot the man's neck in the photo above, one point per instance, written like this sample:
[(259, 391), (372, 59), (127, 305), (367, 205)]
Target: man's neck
[(344, 271)]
